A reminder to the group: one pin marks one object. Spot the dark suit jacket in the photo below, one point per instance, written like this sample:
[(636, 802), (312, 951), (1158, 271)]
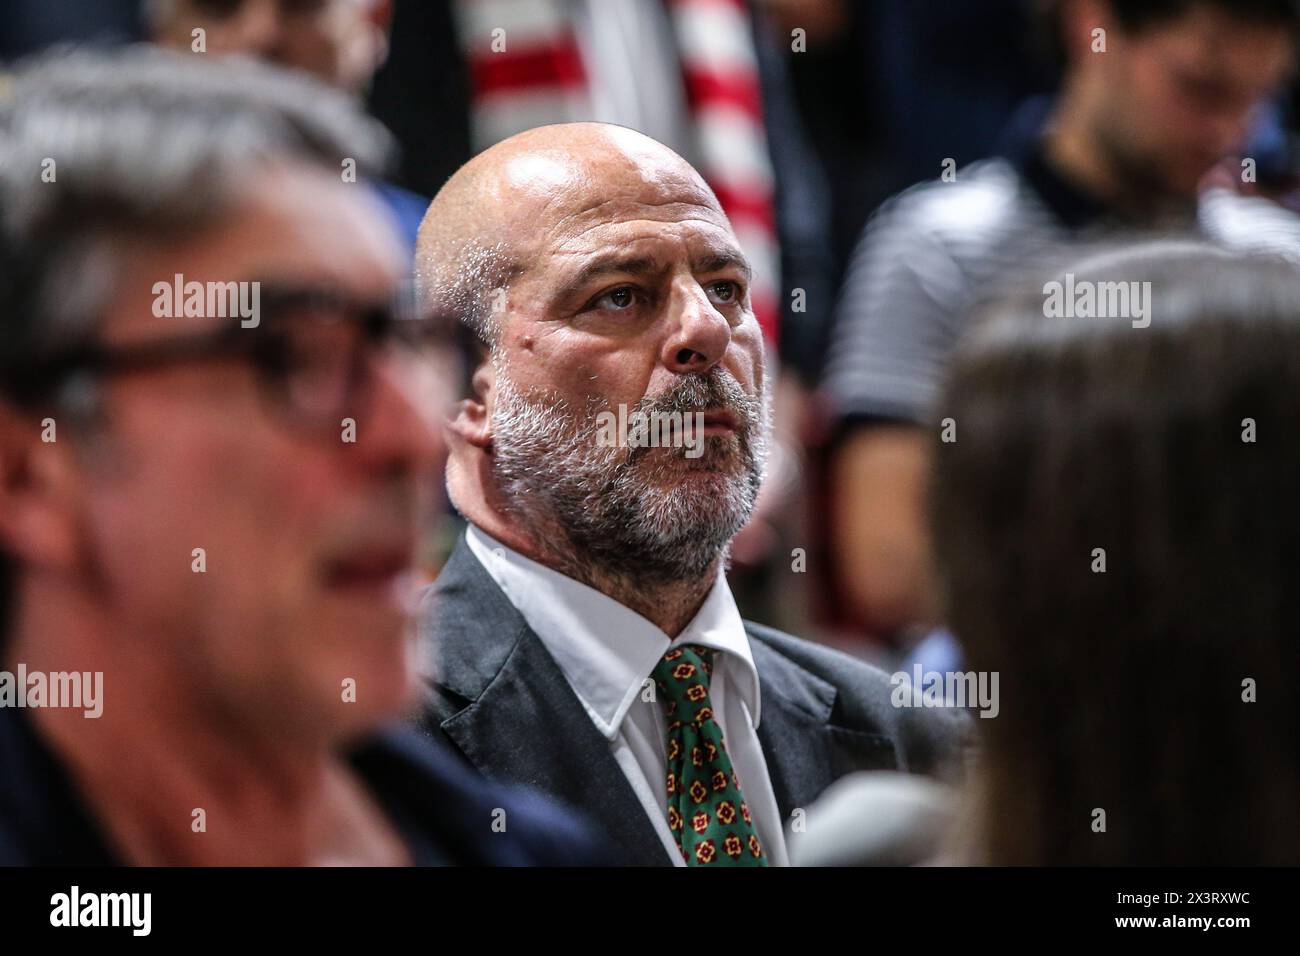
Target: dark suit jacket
[(500, 698), (441, 809)]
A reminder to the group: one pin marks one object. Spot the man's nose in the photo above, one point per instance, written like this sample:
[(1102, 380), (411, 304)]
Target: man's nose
[(700, 333)]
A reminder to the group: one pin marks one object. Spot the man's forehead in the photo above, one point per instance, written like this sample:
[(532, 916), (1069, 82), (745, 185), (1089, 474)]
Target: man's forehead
[(292, 230), (653, 235), (627, 207), (623, 218), (560, 193), (590, 154), (308, 222)]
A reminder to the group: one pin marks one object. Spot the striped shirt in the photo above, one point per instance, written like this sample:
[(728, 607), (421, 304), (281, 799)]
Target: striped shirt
[(934, 253)]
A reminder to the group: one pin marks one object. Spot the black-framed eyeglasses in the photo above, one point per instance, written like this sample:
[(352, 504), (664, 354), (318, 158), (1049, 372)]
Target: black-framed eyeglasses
[(314, 350)]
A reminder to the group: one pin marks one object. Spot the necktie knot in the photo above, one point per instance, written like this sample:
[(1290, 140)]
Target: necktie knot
[(682, 677)]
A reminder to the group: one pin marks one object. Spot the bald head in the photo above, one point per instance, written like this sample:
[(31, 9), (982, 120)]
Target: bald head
[(500, 214)]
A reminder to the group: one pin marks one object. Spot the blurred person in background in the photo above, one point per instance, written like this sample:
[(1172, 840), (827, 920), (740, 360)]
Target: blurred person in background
[(1118, 537), (343, 43), (339, 42), (583, 637), (185, 522), (885, 86), (1154, 95), (875, 818)]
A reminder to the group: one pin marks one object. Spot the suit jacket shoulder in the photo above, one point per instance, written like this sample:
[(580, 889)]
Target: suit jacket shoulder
[(500, 701), (931, 740)]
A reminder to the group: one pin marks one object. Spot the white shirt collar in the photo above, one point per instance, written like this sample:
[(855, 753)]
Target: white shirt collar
[(606, 650)]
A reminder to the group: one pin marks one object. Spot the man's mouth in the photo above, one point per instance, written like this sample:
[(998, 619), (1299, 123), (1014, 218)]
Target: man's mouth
[(718, 422), (376, 568)]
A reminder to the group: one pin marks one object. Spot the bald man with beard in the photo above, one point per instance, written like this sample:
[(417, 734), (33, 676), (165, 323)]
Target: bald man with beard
[(582, 638)]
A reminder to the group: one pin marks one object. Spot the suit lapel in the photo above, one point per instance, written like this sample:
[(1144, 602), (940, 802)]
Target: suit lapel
[(523, 722), (805, 750), (794, 729)]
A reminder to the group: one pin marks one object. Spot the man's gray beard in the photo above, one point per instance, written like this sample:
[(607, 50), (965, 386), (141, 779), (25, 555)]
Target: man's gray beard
[(556, 476)]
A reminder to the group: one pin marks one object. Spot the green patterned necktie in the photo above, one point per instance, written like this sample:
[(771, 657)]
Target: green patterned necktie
[(706, 812)]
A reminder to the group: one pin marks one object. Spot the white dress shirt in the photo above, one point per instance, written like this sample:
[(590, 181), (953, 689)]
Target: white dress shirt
[(607, 652)]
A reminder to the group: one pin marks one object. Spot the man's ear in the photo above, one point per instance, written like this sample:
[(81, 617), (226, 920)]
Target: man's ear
[(37, 489), (472, 419)]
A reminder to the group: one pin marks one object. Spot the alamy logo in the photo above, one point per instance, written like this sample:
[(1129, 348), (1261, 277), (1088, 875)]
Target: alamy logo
[(950, 689), (208, 300), (1098, 300), (639, 429), (77, 690), (74, 908)]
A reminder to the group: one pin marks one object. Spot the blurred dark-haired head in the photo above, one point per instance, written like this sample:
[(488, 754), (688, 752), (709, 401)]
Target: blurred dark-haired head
[(340, 42), (1118, 535), (1168, 88)]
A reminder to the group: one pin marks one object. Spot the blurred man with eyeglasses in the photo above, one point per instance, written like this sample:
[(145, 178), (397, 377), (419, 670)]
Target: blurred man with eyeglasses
[(217, 517)]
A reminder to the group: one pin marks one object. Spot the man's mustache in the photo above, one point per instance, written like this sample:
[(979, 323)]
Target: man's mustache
[(715, 390)]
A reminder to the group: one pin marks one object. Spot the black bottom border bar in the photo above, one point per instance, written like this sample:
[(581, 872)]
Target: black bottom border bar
[(329, 907)]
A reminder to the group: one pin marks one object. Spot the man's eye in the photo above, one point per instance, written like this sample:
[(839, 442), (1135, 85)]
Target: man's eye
[(725, 291), (620, 298)]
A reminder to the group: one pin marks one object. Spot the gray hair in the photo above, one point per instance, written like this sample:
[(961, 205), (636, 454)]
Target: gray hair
[(467, 279), (140, 143)]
